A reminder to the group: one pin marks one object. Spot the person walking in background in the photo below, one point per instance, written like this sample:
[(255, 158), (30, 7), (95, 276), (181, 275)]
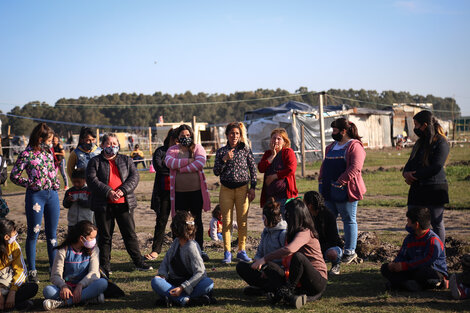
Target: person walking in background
[(41, 197), (160, 202), (14, 290), (188, 187), (137, 155), (182, 277), (59, 158), (325, 224), (75, 275), (112, 179), (278, 165), (340, 180), (85, 151), (424, 171), (236, 167), (76, 199)]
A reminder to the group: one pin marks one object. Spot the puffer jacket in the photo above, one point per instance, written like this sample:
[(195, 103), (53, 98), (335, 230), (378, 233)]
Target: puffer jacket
[(97, 178)]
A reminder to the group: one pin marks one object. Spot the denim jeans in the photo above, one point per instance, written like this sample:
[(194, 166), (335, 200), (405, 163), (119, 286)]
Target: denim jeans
[(37, 204), (162, 288), (347, 211), (61, 168), (339, 253), (91, 291)]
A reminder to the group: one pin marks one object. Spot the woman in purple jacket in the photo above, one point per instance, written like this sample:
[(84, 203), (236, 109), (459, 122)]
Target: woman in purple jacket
[(340, 180)]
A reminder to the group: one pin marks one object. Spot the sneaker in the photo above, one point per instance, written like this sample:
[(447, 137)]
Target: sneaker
[(227, 257), (163, 302), (200, 301), (335, 269), (205, 257), (51, 304), (143, 267), (348, 258), (411, 285), (243, 257), (298, 301), (253, 291), (33, 276), (25, 306), (457, 289), (184, 302), (97, 300)]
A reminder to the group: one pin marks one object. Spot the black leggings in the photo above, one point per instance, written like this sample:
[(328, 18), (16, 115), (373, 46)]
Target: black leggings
[(192, 201), (25, 292), (163, 212), (268, 279), (300, 270), (420, 275)]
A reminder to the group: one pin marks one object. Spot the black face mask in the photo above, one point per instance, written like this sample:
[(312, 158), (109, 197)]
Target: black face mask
[(337, 137), (418, 132)]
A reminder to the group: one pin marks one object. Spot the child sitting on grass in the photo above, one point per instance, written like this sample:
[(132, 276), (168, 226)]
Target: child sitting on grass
[(182, 277), (14, 290), (75, 274), (421, 262), (76, 200), (273, 237), (460, 283)]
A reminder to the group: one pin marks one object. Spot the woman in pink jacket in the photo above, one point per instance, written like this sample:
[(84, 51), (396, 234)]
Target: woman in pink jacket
[(341, 181), (188, 188)]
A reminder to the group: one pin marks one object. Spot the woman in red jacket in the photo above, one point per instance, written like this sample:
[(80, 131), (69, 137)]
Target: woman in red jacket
[(278, 165)]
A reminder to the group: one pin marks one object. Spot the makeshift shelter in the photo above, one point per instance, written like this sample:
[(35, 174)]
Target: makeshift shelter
[(374, 125)]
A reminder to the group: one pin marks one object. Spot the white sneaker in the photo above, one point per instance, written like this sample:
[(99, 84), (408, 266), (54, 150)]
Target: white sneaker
[(96, 300), (51, 304)]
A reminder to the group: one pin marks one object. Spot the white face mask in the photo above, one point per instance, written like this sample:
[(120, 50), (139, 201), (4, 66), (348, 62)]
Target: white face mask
[(12, 239), (90, 244)]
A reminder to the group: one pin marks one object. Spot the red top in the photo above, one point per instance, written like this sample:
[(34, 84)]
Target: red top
[(114, 180), (290, 165)]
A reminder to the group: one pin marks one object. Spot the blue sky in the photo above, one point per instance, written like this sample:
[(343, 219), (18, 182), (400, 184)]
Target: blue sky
[(55, 49)]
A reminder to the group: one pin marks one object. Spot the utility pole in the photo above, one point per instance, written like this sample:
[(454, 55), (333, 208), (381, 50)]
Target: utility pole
[(322, 125)]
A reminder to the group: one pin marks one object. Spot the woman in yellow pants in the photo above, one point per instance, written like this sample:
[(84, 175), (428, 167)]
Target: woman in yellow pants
[(236, 167)]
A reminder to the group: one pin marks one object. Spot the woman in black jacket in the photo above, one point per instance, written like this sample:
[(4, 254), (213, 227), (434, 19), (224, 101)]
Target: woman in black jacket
[(161, 194), (424, 171), (112, 179)]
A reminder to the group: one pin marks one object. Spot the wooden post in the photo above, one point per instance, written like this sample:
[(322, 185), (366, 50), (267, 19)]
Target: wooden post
[(302, 148), (150, 140), (322, 125), (98, 137), (195, 130), (9, 129)]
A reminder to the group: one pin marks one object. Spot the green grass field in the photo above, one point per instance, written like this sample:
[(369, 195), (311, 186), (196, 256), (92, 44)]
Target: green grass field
[(359, 288)]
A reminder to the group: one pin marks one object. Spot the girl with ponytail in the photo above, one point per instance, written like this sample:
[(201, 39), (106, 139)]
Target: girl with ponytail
[(424, 171)]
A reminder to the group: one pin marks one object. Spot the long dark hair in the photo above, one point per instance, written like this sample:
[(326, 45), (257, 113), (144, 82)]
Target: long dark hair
[(40, 131), (351, 129), (171, 134), (6, 227), (191, 134), (84, 132), (315, 199), (431, 134), (183, 225), (82, 228), (298, 219), (272, 211)]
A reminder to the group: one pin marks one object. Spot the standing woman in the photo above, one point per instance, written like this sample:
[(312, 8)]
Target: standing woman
[(41, 193), (112, 179), (59, 158), (188, 188), (278, 165), (340, 180), (85, 151), (161, 194), (236, 167), (424, 171)]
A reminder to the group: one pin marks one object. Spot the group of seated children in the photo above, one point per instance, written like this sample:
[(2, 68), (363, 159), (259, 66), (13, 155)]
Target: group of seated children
[(289, 266)]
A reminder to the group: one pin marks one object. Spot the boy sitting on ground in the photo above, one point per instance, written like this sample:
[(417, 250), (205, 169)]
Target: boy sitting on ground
[(421, 262)]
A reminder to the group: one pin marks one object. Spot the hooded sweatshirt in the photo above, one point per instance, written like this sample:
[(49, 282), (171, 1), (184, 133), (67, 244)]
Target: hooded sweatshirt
[(272, 238)]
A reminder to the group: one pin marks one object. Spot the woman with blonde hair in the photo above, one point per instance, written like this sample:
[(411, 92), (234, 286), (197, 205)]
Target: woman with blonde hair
[(278, 165), (235, 165)]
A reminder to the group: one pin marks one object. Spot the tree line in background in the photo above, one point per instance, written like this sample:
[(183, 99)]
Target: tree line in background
[(131, 114)]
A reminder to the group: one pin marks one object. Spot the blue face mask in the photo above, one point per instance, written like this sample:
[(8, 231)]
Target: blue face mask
[(111, 150), (410, 229)]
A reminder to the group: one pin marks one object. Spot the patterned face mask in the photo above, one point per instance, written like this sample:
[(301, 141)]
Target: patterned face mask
[(111, 150), (45, 146), (185, 141)]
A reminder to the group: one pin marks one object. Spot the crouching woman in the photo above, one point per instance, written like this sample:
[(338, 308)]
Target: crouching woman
[(182, 277), (75, 274)]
